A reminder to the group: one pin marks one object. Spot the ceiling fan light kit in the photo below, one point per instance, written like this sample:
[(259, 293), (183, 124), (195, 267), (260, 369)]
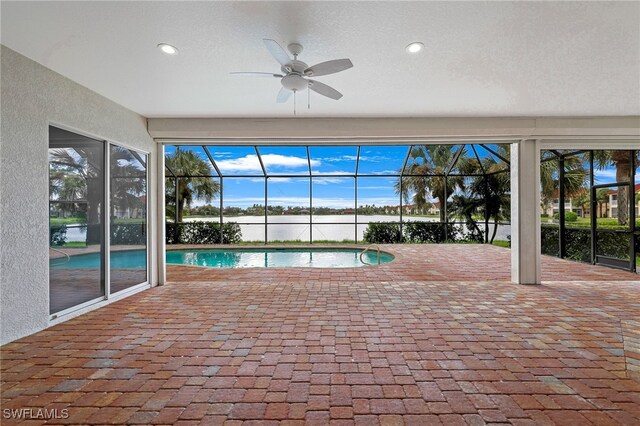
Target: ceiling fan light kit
[(295, 74)]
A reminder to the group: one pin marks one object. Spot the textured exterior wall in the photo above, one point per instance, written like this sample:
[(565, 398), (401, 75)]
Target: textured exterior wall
[(32, 97)]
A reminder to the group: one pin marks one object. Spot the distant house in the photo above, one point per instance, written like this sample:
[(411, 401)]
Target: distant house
[(569, 206), (131, 212), (609, 209), (409, 209), (434, 209), (612, 210)]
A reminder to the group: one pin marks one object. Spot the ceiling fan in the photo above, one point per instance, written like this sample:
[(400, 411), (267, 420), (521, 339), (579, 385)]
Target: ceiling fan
[(295, 74)]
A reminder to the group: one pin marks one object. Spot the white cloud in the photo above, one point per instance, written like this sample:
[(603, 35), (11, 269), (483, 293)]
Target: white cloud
[(328, 181), (250, 163), (388, 188), (609, 175)]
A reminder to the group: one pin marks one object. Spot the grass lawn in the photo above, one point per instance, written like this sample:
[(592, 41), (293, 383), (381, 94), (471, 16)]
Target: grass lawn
[(585, 222), (66, 220), (57, 221)]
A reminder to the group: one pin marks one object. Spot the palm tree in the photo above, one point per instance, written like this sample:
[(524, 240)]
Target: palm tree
[(196, 185), (621, 160), (487, 192), (78, 173), (602, 197), (581, 199), (576, 175), (426, 169), (128, 180)]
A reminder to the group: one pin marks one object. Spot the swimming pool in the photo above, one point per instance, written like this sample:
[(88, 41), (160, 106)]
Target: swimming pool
[(235, 258)]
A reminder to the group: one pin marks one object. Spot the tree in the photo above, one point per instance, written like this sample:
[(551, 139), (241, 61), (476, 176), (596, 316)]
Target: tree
[(602, 197), (128, 181), (197, 183), (582, 199), (426, 169), (487, 193), (622, 161), (77, 173), (576, 175)]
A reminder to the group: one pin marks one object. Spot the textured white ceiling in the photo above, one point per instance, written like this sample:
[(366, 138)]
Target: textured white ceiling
[(481, 58)]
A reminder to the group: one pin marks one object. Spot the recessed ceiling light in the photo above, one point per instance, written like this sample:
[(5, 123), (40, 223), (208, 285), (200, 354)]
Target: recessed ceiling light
[(414, 47), (168, 49)]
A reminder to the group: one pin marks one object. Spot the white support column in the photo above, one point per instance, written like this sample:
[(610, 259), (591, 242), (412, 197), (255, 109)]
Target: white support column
[(160, 222), (525, 212)]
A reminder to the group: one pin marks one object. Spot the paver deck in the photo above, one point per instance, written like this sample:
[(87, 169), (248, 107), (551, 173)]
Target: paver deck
[(326, 347)]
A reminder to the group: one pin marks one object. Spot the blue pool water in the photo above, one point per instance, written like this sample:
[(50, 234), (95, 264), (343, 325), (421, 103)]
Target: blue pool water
[(128, 259), (241, 258)]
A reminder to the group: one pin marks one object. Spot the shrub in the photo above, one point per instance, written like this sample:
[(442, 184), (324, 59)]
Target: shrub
[(568, 216), (128, 233), (203, 233), (383, 233), (550, 240), (613, 244), (578, 244), (420, 232), (429, 232), (57, 235)]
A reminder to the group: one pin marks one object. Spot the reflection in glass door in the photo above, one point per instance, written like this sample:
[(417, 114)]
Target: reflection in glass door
[(76, 222), (84, 266), (128, 218)]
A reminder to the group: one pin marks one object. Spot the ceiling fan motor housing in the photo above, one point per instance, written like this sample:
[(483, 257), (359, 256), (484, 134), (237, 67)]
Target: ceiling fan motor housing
[(294, 75), (294, 82)]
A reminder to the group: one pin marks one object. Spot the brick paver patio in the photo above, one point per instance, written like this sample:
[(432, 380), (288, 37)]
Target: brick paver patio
[(386, 346)]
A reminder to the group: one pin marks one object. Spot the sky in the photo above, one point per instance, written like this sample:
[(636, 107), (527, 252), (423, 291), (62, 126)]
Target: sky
[(332, 190)]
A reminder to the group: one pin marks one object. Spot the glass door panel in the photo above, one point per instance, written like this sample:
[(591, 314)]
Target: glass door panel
[(76, 219), (128, 218)]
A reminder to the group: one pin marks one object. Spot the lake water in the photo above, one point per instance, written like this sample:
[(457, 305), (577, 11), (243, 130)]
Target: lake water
[(329, 227), (290, 228)]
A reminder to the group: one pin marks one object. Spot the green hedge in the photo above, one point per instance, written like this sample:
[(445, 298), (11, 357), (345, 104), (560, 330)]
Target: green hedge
[(568, 216), (578, 243), (203, 233), (57, 235), (129, 233), (613, 244), (419, 232), (383, 233), (550, 237)]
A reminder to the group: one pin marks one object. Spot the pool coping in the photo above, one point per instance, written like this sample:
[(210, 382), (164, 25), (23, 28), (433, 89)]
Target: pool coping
[(257, 247)]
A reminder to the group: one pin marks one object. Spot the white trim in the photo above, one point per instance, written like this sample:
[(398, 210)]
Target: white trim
[(338, 130), (147, 170), (107, 220), (90, 135), (63, 313), (161, 221), (525, 213), (125, 291), (332, 142), (94, 304), (590, 144)]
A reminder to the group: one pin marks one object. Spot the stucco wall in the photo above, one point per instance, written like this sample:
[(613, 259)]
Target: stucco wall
[(32, 97)]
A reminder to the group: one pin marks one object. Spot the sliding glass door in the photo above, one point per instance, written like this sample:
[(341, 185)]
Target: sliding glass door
[(128, 218), (76, 220), (85, 266)]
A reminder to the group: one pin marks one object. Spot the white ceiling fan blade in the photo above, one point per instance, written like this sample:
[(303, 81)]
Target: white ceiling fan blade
[(324, 90), (277, 51), (283, 95), (329, 67), (255, 74)]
